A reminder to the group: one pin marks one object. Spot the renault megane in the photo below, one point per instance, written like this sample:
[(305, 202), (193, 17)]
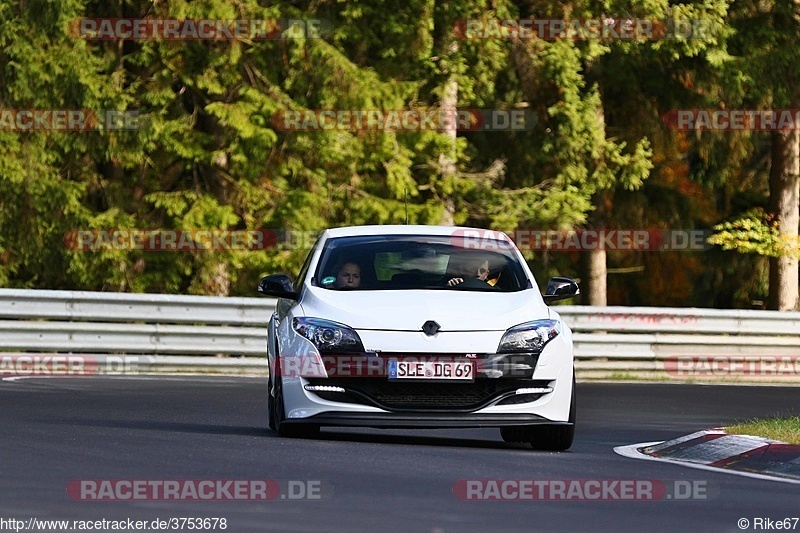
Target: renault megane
[(420, 327)]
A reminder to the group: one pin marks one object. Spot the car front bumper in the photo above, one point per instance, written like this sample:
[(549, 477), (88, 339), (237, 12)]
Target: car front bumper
[(423, 420), (304, 406)]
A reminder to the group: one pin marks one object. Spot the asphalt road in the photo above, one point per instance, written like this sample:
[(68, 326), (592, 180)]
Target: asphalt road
[(59, 430)]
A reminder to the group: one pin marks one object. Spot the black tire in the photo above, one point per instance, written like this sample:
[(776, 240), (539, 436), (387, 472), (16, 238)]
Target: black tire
[(301, 431), (271, 405), (555, 438), (515, 434), (545, 437)]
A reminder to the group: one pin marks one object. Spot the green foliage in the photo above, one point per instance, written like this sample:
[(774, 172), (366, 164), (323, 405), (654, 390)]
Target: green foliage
[(755, 232), (208, 155)]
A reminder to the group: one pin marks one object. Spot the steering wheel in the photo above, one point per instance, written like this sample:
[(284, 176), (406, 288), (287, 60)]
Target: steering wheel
[(473, 283)]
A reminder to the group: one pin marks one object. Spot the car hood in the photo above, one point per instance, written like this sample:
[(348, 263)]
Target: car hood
[(407, 310)]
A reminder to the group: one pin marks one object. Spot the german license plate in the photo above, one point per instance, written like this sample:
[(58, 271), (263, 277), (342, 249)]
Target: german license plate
[(439, 370)]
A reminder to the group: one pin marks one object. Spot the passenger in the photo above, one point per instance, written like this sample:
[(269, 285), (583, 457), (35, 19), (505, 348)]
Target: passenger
[(348, 276), (473, 269)]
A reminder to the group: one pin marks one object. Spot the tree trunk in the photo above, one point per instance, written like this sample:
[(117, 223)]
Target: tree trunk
[(594, 261), (447, 160), (784, 200), (595, 284), (212, 279)]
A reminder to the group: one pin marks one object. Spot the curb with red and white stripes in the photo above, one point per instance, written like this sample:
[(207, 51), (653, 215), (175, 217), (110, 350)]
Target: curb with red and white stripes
[(714, 449)]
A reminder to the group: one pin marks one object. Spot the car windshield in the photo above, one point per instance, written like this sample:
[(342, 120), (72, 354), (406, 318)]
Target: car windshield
[(419, 262)]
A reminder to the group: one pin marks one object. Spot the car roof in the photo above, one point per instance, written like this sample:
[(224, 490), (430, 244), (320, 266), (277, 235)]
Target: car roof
[(354, 231)]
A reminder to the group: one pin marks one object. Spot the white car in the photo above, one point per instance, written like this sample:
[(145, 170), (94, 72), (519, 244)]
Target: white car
[(420, 327)]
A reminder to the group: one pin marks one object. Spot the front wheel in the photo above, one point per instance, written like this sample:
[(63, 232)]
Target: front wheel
[(284, 429), (545, 437), (556, 438), (271, 405)]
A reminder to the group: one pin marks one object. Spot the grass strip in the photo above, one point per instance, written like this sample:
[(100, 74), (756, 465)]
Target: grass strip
[(783, 429)]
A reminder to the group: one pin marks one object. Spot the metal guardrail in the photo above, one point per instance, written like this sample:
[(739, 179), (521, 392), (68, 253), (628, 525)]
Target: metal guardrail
[(681, 320), (661, 343), (125, 307), (686, 344)]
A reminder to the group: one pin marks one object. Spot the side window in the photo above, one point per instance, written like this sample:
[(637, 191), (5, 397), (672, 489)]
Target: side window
[(301, 276)]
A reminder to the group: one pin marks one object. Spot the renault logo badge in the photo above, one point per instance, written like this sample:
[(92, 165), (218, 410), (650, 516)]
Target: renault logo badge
[(430, 328)]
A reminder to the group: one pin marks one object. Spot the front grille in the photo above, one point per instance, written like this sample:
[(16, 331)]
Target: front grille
[(407, 395)]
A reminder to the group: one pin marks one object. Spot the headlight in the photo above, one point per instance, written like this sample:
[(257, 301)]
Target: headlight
[(530, 336), (328, 336)]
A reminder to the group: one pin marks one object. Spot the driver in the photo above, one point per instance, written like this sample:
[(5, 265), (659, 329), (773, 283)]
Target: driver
[(348, 276), (473, 268)]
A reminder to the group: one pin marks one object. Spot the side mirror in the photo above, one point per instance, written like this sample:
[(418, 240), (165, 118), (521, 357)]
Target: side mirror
[(278, 285), (560, 288)]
